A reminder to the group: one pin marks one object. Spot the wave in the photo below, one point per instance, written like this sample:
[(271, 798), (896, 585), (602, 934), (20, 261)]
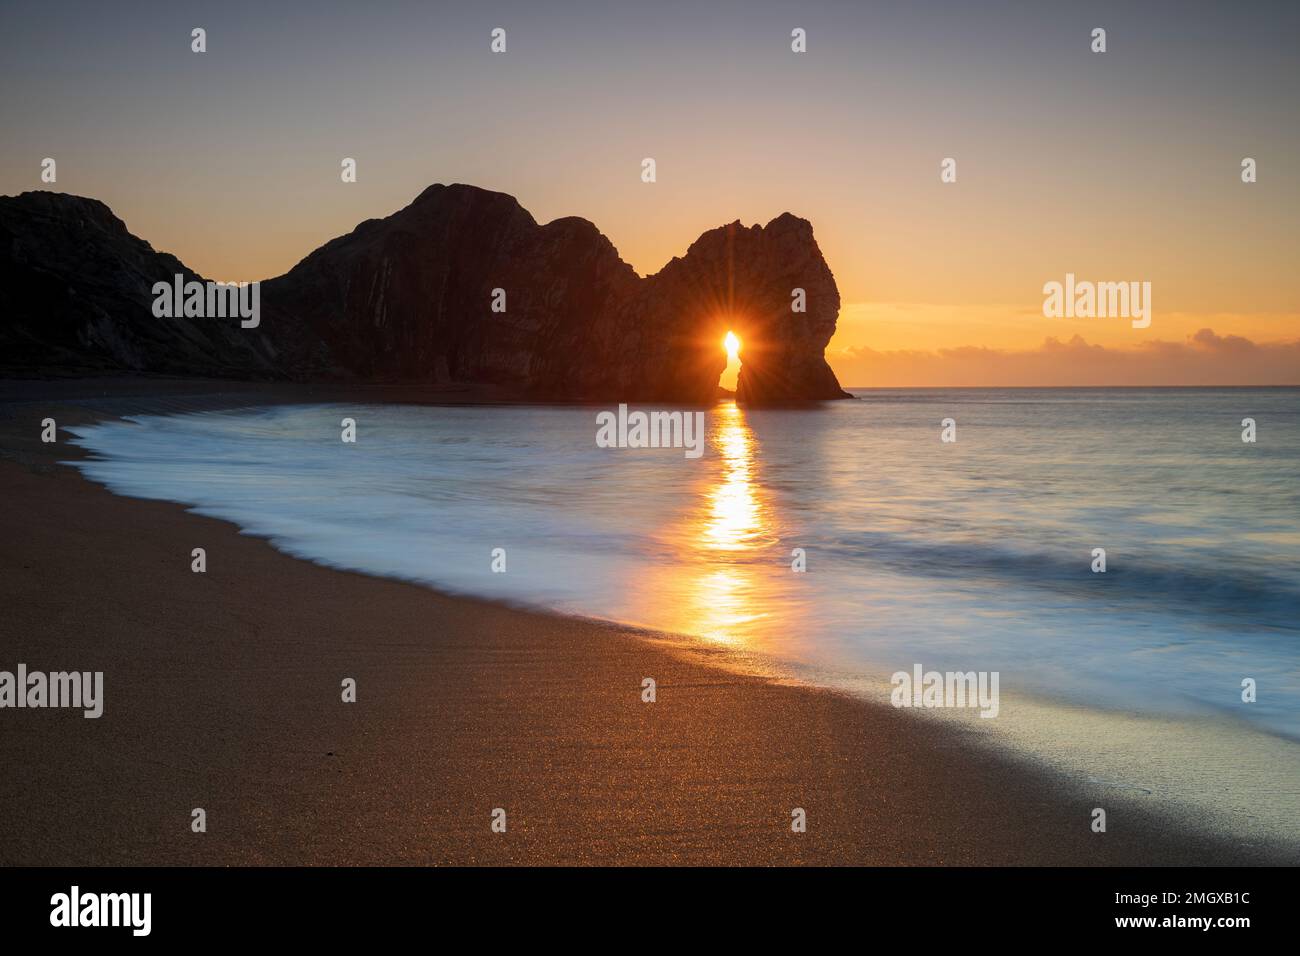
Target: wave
[(1251, 597)]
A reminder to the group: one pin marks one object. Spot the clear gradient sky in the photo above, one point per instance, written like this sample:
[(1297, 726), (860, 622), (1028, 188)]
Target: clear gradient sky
[(1116, 166)]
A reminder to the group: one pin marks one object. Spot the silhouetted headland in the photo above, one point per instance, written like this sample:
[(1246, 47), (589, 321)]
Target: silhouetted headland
[(461, 286)]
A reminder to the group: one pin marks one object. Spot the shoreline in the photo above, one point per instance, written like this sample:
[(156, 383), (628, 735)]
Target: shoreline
[(223, 692)]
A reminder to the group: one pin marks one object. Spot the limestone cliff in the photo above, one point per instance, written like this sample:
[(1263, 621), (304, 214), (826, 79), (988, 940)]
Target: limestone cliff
[(76, 296), (409, 299)]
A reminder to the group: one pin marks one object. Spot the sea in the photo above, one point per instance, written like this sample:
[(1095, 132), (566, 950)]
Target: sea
[(838, 544)]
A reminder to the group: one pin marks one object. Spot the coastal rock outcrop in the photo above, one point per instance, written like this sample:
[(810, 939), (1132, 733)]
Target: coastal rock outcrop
[(410, 299), (76, 296), (744, 280)]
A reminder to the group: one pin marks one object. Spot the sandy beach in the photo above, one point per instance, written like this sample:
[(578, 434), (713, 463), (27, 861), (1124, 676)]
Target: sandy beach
[(222, 691)]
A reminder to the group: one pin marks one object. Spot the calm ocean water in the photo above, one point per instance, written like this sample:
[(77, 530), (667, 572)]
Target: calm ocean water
[(973, 555)]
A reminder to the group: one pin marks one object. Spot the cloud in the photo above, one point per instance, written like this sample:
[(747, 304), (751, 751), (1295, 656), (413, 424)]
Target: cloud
[(1205, 358)]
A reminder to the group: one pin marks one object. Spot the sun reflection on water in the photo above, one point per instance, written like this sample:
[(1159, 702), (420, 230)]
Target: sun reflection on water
[(722, 599), (735, 518)]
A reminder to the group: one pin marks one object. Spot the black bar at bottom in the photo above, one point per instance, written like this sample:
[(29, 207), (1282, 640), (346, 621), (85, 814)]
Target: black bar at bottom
[(348, 904)]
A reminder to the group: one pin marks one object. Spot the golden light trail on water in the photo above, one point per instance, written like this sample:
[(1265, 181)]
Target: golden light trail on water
[(721, 596)]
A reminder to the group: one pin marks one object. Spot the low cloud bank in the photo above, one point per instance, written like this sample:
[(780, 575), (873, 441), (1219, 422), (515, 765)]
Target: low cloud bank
[(1205, 358)]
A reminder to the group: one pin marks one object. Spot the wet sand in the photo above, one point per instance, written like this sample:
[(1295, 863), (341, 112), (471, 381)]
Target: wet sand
[(223, 692)]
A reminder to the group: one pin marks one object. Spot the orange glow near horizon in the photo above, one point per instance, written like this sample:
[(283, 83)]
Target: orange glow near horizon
[(938, 284)]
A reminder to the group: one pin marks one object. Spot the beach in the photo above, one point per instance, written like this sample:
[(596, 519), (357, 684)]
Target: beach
[(223, 692)]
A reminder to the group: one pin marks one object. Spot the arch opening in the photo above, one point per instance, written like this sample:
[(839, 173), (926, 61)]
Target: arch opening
[(731, 344)]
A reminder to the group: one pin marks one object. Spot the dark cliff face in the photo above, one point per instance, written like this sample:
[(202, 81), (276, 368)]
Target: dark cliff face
[(409, 299), (76, 295), (744, 280)]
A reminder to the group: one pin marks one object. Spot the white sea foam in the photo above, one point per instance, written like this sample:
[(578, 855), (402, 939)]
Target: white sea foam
[(967, 556)]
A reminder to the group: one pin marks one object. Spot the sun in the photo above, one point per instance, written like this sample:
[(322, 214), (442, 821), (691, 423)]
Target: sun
[(732, 345)]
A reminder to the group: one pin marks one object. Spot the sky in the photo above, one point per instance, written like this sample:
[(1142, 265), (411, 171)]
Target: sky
[(1115, 166)]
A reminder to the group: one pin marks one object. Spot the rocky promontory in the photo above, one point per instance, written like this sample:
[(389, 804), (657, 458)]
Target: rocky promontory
[(461, 286)]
